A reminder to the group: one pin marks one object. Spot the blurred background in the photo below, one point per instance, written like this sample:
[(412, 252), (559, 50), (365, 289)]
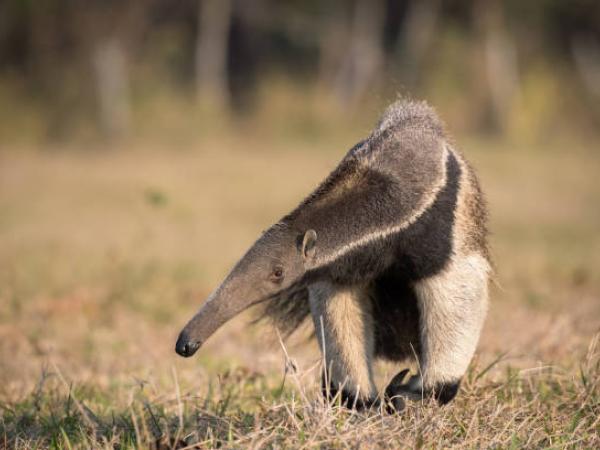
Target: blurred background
[(145, 144), (99, 70)]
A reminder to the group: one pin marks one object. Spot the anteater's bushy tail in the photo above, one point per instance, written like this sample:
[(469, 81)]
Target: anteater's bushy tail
[(410, 112)]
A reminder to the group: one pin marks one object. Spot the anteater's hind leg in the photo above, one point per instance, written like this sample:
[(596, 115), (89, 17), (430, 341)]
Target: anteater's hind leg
[(452, 308), (344, 328)]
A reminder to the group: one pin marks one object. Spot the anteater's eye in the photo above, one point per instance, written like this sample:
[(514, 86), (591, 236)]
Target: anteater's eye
[(277, 274)]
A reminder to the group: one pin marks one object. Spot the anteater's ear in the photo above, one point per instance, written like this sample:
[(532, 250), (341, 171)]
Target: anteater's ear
[(309, 244)]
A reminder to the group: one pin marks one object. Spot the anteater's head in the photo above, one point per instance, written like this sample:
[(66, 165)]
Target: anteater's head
[(275, 264)]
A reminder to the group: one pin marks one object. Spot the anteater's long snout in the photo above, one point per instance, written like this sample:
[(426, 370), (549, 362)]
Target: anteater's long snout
[(185, 346), (221, 306)]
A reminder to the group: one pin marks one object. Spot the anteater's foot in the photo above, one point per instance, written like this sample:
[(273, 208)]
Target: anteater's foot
[(348, 399), (396, 392)]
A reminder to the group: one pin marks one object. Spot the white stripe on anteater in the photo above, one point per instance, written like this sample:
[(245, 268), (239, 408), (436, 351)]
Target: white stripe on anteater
[(427, 201)]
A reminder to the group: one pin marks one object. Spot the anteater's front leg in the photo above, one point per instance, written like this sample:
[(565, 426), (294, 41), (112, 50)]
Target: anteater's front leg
[(452, 306), (344, 328)]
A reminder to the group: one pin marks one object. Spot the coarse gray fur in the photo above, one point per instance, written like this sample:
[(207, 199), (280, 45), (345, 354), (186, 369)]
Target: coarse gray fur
[(389, 255)]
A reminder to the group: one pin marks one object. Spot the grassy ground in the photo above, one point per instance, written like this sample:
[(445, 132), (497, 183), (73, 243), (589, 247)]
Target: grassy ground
[(104, 256)]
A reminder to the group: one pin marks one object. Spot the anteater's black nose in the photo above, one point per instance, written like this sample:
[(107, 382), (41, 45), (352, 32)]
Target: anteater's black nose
[(186, 347)]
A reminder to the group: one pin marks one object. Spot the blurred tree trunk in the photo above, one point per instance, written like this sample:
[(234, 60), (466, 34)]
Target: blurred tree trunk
[(500, 59), (333, 37), (359, 44), (416, 37), (108, 34), (214, 23), (50, 68), (586, 54), (112, 86)]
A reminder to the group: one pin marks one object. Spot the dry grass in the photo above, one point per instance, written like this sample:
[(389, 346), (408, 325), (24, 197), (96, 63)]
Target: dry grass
[(103, 257)]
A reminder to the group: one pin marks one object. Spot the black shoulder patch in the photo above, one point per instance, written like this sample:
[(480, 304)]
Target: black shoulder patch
[(424, 248)]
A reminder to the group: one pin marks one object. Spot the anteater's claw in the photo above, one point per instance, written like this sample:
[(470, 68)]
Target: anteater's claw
[(397, 392)]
